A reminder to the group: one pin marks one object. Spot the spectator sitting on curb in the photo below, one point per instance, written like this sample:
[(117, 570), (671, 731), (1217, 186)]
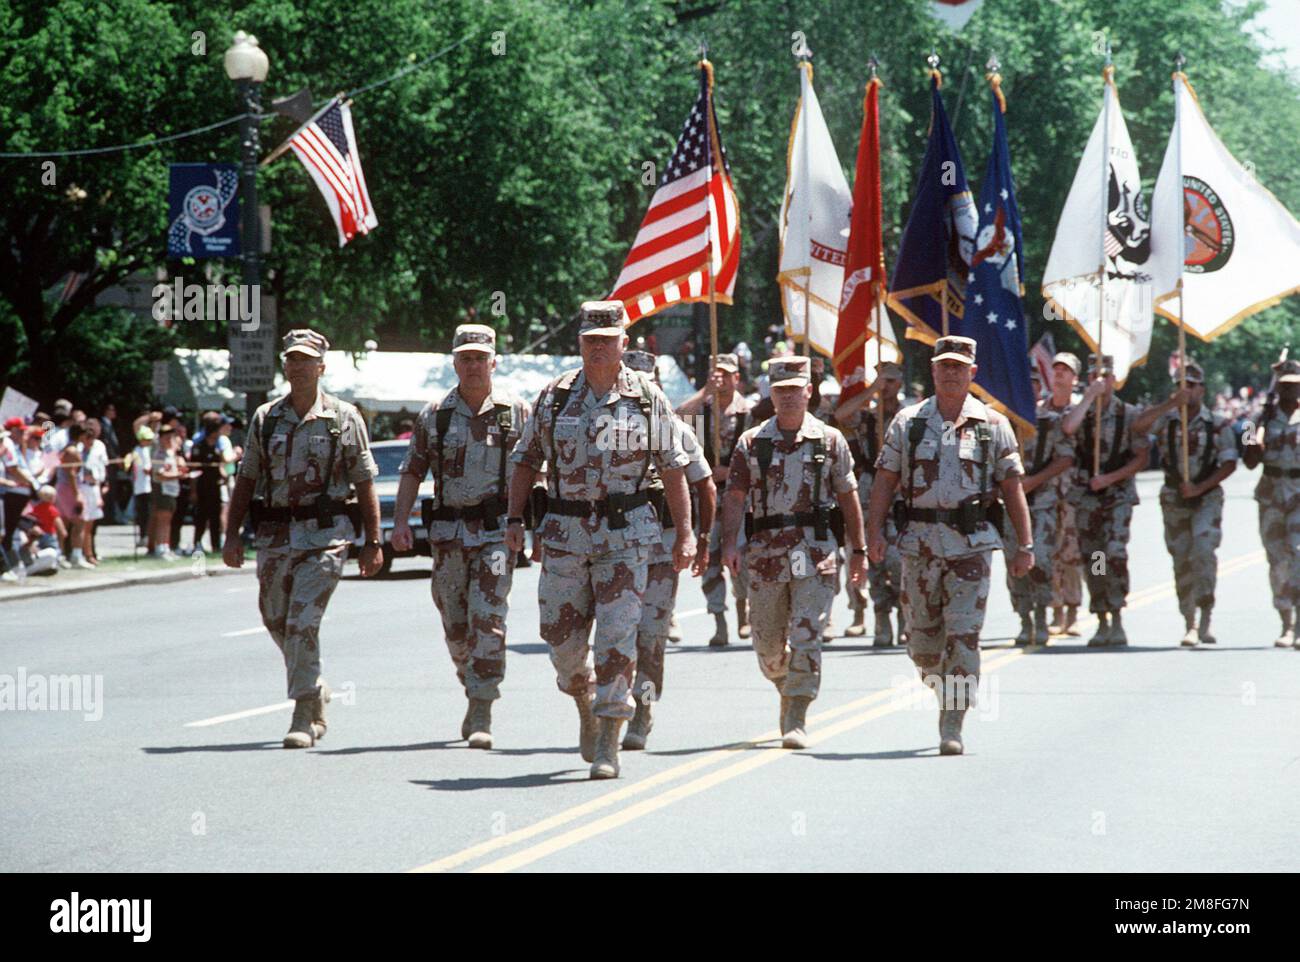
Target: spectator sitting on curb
[(40, 531)]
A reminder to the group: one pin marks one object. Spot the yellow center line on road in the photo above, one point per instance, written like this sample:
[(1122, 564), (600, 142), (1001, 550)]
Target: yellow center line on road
[(895, 699)]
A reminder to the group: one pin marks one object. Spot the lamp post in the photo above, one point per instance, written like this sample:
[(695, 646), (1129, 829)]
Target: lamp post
[(247, 66)]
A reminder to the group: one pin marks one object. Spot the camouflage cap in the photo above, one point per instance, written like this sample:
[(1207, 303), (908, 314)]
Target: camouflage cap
[(1069, 360), (305, 341), (1195, 374), (640, 361), (1288, 372), (890, 370), (1101, 363), (602, 317), (727, 362), (789, 370), (954, 348), (474, 337)]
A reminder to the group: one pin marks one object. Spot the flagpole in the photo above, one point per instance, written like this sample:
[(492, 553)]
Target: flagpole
[(932, 60), (1179, 60), (878, 272), (805, 58), (1107, 73), (314, 117), (714, 157)]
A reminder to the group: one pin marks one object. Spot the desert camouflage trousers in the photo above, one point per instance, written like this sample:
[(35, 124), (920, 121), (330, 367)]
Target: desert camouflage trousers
[(944, 600), (1067, 580), (1279, 529), (1103, 525), (787, 619), (1034, 590), (573, 592), (293, 589), (1193, 533), (471, 589), (652, 634), (715, 590)]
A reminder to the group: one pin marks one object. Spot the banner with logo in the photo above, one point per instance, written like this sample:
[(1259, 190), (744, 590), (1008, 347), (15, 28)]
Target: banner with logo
[(203, 210)]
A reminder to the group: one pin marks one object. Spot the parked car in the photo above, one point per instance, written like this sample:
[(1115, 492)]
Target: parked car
[(388, 457)]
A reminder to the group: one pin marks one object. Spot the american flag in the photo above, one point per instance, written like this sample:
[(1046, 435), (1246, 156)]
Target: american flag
[(690, 237), (327, 147), (1041, 355)]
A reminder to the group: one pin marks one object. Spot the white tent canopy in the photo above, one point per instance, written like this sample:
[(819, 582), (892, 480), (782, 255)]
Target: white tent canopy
[(386, 381)]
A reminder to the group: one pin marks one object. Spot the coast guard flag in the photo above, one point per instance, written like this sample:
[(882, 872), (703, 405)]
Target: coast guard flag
[(814, 225), (1216, 230), (1105, 225), (994, 315), (934, 256)]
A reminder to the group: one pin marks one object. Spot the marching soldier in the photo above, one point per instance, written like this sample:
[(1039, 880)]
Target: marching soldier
[(1276, 445), (465, 440), (1067, 582), (1192, 509), (884, 579), (735, 419), (602, 432), (789, 473), (949, 452), (306, 453), (661, 577), (1053, 454), (1104, 500)]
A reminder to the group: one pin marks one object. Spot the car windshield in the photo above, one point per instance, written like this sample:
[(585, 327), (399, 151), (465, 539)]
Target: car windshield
[(389, 459)]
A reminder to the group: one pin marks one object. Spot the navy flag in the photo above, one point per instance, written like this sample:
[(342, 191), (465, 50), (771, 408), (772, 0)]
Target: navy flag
[(934, 257), (994, 315)]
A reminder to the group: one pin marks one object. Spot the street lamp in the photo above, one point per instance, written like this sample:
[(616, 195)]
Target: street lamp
[(246, 65)]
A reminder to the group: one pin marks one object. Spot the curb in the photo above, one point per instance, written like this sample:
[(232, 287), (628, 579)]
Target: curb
[(162, 577)]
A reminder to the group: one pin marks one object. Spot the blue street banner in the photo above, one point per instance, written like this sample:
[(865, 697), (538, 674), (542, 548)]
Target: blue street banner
[(203, 210), (934, 256), (994, 314)]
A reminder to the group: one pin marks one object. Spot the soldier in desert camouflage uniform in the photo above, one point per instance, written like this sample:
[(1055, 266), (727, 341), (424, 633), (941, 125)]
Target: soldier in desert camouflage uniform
[(1192, 509), (1104, 500), (790, 471), (305, 454), (948, 452), (465, 440), (1276, 444), (698, 409), (1067, 581), (1052, 455), (602, 432), (885, 579), (661, 577)]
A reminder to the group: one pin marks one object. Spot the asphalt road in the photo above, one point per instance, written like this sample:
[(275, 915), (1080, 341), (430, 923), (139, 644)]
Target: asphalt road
[(1151, 758)]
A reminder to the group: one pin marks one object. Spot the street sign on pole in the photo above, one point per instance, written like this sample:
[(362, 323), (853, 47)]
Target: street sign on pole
[(252, 352)]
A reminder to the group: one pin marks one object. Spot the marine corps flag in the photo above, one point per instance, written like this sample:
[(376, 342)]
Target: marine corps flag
[(814, 225), (929, 283), (1103, 244), (1216, 231), (864, 333), (994, 315)]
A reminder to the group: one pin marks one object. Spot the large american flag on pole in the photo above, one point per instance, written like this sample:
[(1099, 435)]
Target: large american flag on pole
[(689, 240), (327, 147)]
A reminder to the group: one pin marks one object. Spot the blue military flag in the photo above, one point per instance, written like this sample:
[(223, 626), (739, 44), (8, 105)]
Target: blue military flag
[(934, 257), (994, 315)]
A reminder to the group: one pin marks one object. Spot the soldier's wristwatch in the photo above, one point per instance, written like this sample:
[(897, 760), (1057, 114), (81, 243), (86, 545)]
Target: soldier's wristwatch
[(1027, 547), (376, 543), (510, 521)]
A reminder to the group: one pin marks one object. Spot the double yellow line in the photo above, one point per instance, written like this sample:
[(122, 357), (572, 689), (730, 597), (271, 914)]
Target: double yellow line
[(748, 755)]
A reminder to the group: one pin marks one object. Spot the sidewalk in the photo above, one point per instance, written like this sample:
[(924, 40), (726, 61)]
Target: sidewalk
[(120, 564)]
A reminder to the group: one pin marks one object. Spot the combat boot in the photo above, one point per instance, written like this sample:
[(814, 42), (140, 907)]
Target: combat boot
[(1118, 638), (1204, 628), (795, 734), (1071, 616), (1287, 639), (742, 619), (904, 635), (300, 733), (1026, 636), (719, 639), (784, 724), (586, 728), (1041, 631), (1190, 637), (1058, 620), (639, 728), (1102, 638), (674, 633), (950, 720), (605, 764), (318, 725), (480, 723), (828, 632), (859, 626), (884, 630)]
